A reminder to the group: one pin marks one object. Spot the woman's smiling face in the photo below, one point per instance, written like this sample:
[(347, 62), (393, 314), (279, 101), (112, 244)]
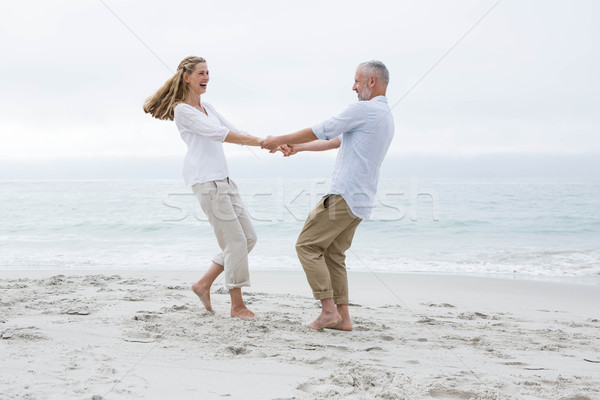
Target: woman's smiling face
[(197, 81)]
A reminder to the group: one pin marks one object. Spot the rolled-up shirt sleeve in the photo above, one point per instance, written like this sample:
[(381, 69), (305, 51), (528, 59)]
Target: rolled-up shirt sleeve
[(192, 121), (352, 118)]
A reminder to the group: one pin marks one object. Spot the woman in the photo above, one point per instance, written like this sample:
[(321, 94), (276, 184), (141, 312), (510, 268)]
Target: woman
[(205, 169)]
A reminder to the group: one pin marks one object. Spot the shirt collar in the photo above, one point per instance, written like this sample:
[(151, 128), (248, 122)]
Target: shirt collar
[(380, 98)]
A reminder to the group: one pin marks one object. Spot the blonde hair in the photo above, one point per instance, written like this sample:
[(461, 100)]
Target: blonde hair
[(161, 104)]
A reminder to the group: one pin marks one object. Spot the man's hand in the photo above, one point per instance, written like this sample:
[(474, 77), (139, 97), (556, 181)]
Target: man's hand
[(270, 143)]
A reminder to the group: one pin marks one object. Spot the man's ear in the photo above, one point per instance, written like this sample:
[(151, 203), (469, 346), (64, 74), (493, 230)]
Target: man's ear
[(372, 80)]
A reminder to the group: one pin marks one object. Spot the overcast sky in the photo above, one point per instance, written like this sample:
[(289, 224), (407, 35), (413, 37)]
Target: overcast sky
[(73, 77)]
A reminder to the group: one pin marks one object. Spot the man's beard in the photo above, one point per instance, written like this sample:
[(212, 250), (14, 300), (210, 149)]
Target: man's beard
[(365, 94)]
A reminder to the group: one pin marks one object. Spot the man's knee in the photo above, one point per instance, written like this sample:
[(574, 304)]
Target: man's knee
[(308, 253), (301, 248)]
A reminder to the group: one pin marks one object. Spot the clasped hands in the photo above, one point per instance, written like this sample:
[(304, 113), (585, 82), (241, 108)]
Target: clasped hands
[(273, 144)]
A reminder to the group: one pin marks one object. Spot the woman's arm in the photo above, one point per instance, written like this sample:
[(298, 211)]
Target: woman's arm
[(238, 138), (235, 135)]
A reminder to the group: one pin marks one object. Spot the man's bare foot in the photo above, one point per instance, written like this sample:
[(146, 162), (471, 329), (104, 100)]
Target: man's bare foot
[(346, 323), (343, 325), (204, 295), (242, 312), (325, 320)]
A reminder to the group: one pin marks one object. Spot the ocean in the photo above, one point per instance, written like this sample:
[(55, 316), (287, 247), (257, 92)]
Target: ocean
[(508, 228)]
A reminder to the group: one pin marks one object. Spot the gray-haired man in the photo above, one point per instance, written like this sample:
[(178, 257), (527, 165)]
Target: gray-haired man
[(363, 132)]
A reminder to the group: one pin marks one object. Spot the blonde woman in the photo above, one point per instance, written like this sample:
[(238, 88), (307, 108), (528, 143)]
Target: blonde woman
[(204, 130)]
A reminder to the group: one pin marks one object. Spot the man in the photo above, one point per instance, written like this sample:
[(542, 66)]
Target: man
[(363, 131)]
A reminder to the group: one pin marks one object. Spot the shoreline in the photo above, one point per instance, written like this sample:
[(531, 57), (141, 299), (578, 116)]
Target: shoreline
[(587, 280)]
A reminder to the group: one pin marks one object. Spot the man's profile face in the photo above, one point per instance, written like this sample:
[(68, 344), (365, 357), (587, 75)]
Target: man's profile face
[(361, 87)]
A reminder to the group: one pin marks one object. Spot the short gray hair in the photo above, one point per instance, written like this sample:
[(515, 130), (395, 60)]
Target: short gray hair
[(378, 68)]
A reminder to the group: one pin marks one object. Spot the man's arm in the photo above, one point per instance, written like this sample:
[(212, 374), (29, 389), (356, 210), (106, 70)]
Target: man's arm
[(315, 145), (302, 136)]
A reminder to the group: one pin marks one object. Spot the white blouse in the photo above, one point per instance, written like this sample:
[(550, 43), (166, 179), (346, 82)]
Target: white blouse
[(204, 135)]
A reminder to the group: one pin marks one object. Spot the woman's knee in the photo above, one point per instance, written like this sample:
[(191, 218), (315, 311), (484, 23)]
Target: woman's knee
[(251, 241)]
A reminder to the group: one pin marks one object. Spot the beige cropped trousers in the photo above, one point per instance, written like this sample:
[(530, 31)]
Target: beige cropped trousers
[(321, 247), (222, 204)]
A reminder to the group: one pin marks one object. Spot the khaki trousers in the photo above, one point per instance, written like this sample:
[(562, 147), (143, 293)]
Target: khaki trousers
[(222, 204), (322, 245)]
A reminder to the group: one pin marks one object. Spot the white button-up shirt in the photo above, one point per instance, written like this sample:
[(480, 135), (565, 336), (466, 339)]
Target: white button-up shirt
[(204, 135), (365, 129)]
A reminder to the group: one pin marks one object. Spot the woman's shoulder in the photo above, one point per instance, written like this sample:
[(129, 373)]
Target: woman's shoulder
[(181, 105), (183, 108)]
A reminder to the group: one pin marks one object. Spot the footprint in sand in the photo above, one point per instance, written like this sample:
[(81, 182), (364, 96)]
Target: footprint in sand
[(133, 298), (472, 316), (146, 316), (7, 334), (78, 311), (139, 337), (174, 308), (451, 394), (30, 333), (306, 387), (259, 354), (237, 350), (444, 305)]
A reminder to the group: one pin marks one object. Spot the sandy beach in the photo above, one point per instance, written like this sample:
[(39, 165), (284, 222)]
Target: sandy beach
[(144, 335)]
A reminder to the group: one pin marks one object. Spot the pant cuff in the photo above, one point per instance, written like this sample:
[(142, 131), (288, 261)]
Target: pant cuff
[(340, 300), (323, 295), (218, 260), (230, 286)]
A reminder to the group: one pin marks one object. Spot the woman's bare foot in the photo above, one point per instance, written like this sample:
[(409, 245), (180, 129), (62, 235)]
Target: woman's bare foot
[(202, 287), (242, 312), (238, 307), (204, 295)]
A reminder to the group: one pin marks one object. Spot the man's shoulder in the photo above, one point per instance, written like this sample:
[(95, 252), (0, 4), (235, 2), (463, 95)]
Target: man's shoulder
[(358, 107)]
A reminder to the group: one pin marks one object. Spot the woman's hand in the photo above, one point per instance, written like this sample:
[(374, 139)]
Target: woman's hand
[(288, 149), (270, 143)]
